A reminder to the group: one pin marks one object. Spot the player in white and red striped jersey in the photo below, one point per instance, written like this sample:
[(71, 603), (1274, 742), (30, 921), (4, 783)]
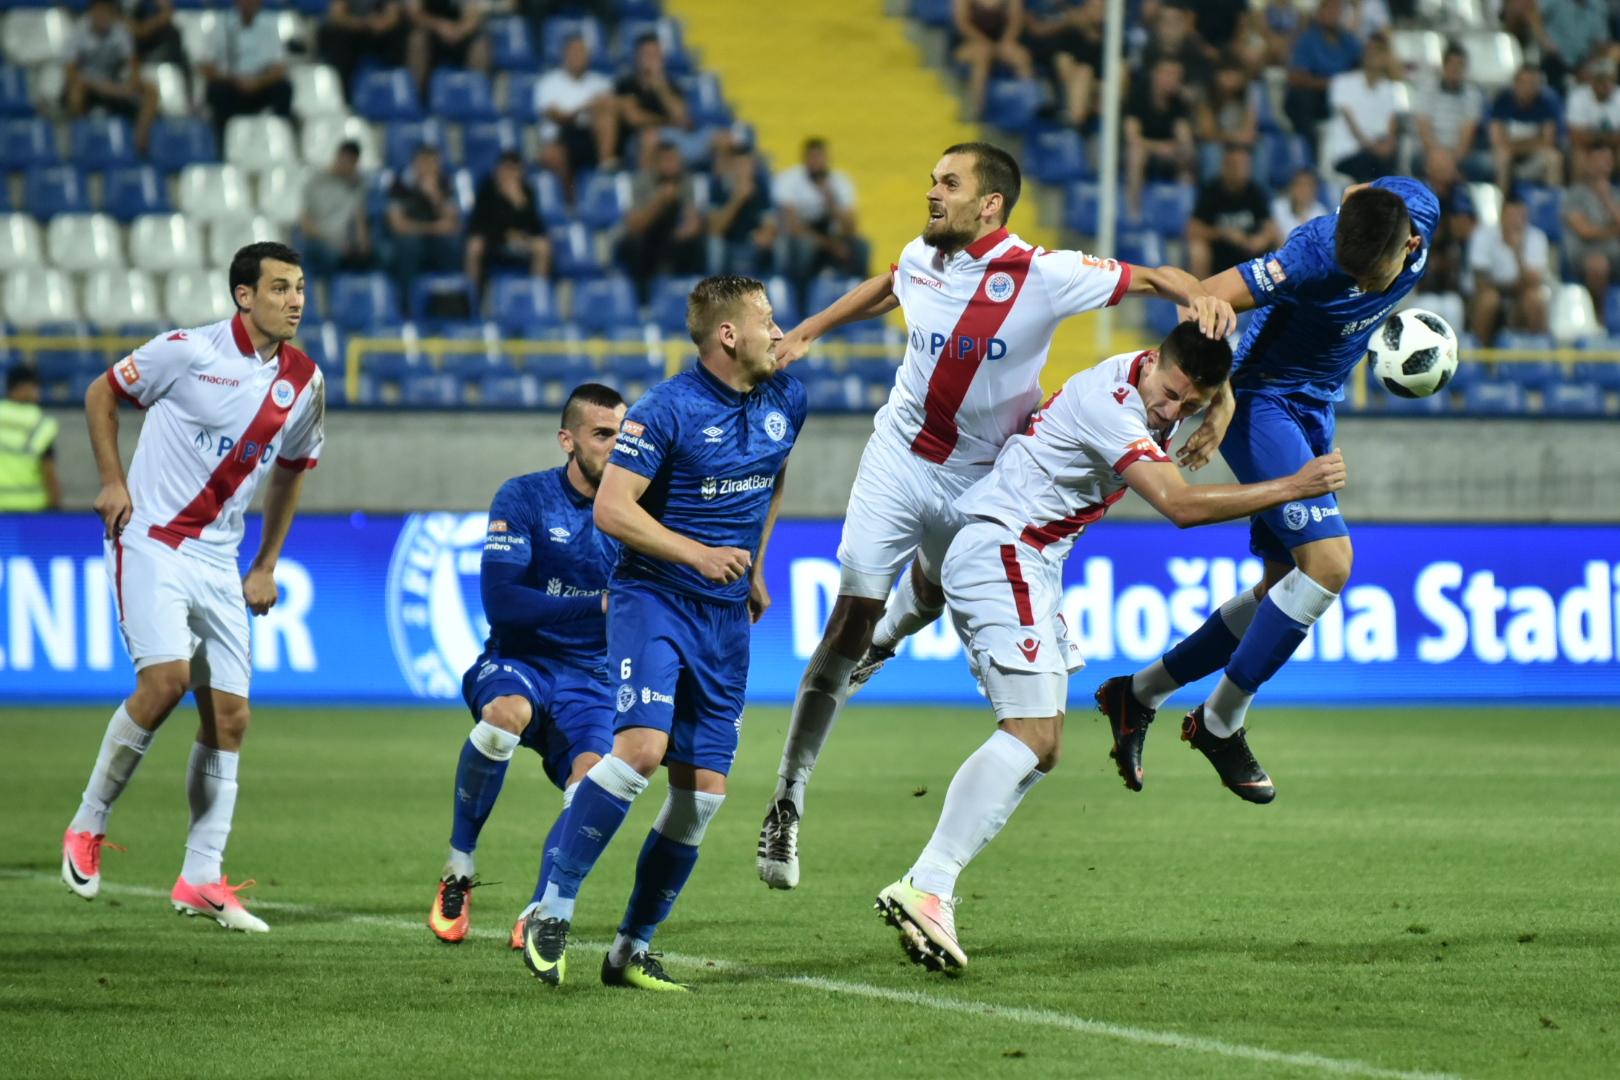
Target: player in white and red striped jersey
[(981, 307), (1108, 429), (227, 406)]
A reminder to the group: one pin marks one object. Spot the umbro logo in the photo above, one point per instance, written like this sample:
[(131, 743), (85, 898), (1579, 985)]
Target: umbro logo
[(590, 832), (560, 535), (713, 434)]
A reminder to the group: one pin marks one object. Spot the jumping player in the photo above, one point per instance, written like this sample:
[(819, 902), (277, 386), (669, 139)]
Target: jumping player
[(981, 307), (1107, 429), (541, 681), (228, 405), (1320, 297)]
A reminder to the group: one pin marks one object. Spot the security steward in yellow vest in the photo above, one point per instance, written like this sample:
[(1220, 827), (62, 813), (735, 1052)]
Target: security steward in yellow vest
[(27, 448)]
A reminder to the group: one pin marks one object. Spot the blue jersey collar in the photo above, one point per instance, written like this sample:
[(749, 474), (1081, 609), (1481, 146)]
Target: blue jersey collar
[(718, 388)]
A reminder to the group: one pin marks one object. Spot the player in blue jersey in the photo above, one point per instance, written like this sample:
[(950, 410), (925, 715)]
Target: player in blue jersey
[(542, 679), (1319, 298), (691, 492)]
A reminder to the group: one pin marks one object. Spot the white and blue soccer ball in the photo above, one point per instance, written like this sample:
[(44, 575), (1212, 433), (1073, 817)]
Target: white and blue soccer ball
[(1414, 354)]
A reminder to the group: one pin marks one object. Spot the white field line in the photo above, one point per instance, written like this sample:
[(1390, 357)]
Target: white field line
[(1017, 1015)]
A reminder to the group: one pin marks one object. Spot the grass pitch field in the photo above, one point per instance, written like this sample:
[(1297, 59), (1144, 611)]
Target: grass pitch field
[(1432, 892)]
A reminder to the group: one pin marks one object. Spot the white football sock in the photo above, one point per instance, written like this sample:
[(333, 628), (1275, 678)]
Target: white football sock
[(623, 948), (822, 693), (459, 864), (122, 748), (904, 616), (1154, 684), (493, 742), (211, 787), (982, 796), (1296, 596), (1226, 708)]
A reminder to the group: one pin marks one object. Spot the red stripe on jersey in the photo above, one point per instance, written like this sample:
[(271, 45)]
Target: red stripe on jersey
[(295, 368), (1138, 453), (1040, 411), (985, 244), (118, 388), (948, 387), (1134, 377), (1041, 536), (118, 575), (1123, 287), (1020, 589), (297, 464)]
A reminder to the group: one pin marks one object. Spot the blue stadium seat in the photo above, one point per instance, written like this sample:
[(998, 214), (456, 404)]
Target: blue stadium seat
[(939, 14), (637, 366), (573, 253), (55, 189), (1605, 375), (706, 101), (14, 100), (669, 303), (557, 375), (1057, 157), (520, 96), (1433, 405), (133, 190), (549, 197), (461, 96), (784, 301), (1012, 104), (27, 143), (1285, 155), (1166, 208), (1546, 205), (403, 137), (483, 143), (391, 366), (1530, 374), (1143, 247), (1161, 319), (365, 302), (604, 199), (677, 61), (873, 369), (522, 305), (826, 288), (560, 28), (431, 389), (509, 390), (1574, 399), (828, 391), (605, 305), (103, 142), (1080, 207), (177, 143), (1495, 399), (510, 46), (437, 299), (386, 94), (323, 341)]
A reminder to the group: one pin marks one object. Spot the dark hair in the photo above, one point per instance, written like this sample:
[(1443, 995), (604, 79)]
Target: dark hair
[(509, 157), (349, 146), (426, 148), (714, 300), (584, 394), (996, 172), (247, 266), (1373, 226), (1454, 48), (19, 376), (1206, 361), (814, 142), (642, 39)]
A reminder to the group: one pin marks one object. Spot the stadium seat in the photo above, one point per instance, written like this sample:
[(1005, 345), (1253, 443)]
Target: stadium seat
[(829, 391), (21, 243), (199, 32), (14, 99), (573, 253), (323, 341), (518, 102), (938, 14), (1572, 316), (440, 298), (1057, 157), (178, 142), (604, 200), (509, 390), (207, 192), (1143, 247), (1166, 208), (559, 29), (56, 189), (322, 136), (103, 142), (255, 144), (32, 298), (133, 190), (431, 389), (669, 303), (668, 32), (363, 302), (1495, 399), (1574, 399), (1012, 104), (510, 46), (1611, 309), (472, 365), (196, 298), (386, 95), (114, 299), (605, 305), (784, 302), (483, 143), (36, 35), (27, 143), (170, 83), (317, 91), (1419, 51), (1604, 374), (549, 198), (706, 101), (1081, 209), (522, 305), (227, 235), (79, 242), (1493, 57), (401, 140), (1284, 154), (461, 96), (1530, 374), (1546, 206), (1434, 405), (165, 242), (281, 193), (1487, 200)]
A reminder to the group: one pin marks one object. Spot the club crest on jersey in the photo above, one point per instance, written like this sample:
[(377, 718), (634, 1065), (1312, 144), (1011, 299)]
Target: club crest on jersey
[(776, 426), (282, 393), (1000, 287), (1295, 516), (627, 697)]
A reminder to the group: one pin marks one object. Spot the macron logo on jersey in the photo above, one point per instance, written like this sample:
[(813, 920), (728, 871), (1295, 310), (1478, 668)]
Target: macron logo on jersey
[(965, 346)]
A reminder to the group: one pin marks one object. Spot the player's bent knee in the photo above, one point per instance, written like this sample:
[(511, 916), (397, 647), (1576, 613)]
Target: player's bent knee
[(163, 685), (641, 748), (582, 765), (1043, 736), (1328, 563), (509, 712)]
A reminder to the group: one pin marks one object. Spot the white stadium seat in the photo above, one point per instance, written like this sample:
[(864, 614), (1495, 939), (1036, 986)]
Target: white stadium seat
[(1418, 50), (1467, 14), (34, 297), (20, 241), (317, 91), (114, 298), (170, 83), (197, 297), (1572, 316), (228, 235), (207, 192), (256, 143), (281, 193), (84, 242), (323, 135), (199, 34), (36, 35), (1493, 57), (165, 242), (1487, 199)]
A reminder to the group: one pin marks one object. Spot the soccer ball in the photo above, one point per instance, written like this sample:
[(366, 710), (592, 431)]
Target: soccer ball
[(1414, 354)]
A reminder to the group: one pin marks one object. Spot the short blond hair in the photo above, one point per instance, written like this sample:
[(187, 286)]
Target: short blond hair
[(715, 300)]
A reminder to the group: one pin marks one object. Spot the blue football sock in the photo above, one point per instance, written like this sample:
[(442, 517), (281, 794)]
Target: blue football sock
[(479, 776), (1207, 649), (1268, 643), (600, 804), (661, 874), (548, 854)]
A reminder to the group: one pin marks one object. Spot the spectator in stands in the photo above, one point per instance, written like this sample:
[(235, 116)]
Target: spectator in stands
[(1449, 108), (1360, 139), (742, 225), (1324, 49), (103, 72), (357, 30), (1231, 220), (27, 447), (1524, 132), (989, 31), (1592, 224), (445, 34), (1172, 37), (1458, 217), (1573, 28), (1158, 136), (817, 207), (1218, 23), (1299, 202), (605, 12), (1510, 265), (248, 72), (580, 125), (663, 232), (157, 39), (424, 221), (1366, 19), (1522, 19), (1278, 23), (647, 101), (1230, 115), (1593, 112), (1065, 42), (335, 234), (506, 231)]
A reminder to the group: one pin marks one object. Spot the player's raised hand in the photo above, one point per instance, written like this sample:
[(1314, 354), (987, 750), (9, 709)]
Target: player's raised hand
[(1322, 475), (723, 565), (259, 590), (792, 347), (1214, 316), (113, 504), (1200, 448)]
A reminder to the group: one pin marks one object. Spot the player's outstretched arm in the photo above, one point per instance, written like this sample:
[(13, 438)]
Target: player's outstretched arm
[(1163, 486), (871, 298), (1213, 303), (618, 512), (101, 414), (759, 599), (281, 493)]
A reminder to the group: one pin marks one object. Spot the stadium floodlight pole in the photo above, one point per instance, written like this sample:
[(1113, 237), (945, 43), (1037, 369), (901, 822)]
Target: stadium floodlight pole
[(1108, 180)]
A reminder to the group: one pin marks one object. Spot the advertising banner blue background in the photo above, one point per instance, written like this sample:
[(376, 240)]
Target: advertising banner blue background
[(385, 609)]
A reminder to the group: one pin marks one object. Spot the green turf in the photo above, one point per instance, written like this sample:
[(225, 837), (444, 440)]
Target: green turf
[(1432, 890)]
